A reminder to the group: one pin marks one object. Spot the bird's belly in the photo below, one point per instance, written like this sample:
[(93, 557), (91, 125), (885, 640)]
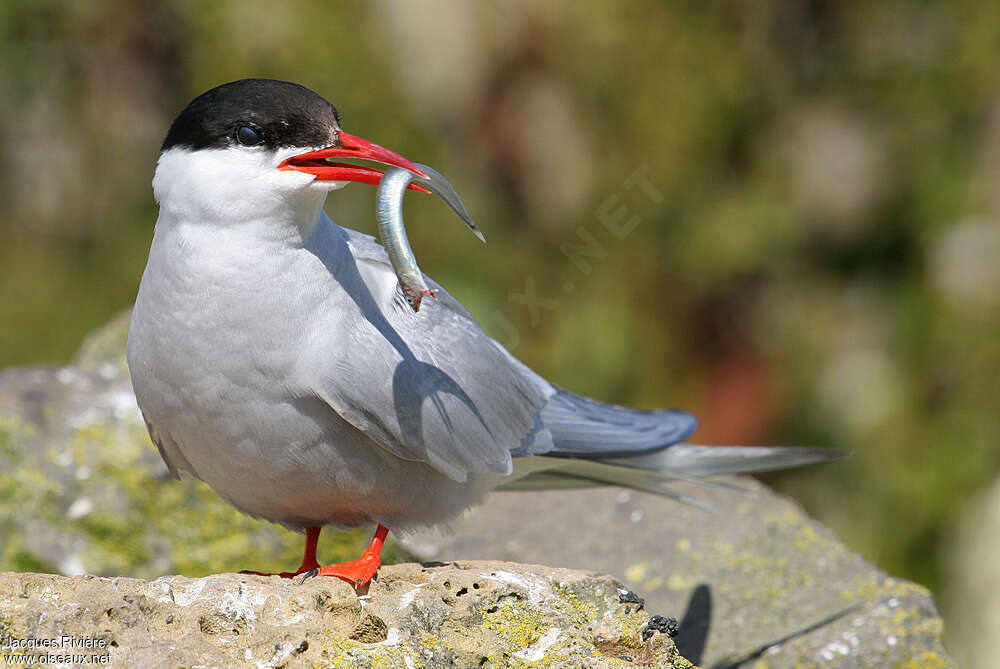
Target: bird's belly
[(274, 455)]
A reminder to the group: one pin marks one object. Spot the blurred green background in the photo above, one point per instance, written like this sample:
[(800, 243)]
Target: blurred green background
[(789, 210)]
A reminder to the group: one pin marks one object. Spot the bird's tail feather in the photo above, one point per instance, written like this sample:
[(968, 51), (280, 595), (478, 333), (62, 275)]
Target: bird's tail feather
[(654, 472), (572, 426), (703, 461), (578, 442), (569, 473)]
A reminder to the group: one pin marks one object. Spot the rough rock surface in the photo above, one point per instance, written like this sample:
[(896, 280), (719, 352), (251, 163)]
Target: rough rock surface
[(471, 614), (758, 582), (83, 491)]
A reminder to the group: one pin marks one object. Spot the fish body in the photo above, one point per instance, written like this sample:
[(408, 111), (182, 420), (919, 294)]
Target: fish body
[(392, 229)]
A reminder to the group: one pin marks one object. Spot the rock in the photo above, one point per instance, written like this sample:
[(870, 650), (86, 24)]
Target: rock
[(491, 614), (757, 582)]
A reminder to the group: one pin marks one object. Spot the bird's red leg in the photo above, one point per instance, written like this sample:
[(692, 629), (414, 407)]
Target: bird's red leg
[(309, 562), (357, 572), (309, 557)]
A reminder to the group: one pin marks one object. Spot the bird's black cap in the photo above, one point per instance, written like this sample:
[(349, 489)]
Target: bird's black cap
[(279, 112)]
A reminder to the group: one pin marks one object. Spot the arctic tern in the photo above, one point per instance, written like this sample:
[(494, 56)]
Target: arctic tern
[(274, 356)]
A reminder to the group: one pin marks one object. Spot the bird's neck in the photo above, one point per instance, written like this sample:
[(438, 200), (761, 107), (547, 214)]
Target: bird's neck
[(284, 226), (254, 204)]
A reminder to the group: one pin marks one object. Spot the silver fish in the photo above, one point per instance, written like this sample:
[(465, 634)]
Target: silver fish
[(392, 230)]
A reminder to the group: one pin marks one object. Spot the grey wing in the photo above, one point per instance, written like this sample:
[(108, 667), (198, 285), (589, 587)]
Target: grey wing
[(581, 441), (428, 386)]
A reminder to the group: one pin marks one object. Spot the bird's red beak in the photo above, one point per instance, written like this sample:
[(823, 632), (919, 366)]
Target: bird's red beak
[(349, 146)]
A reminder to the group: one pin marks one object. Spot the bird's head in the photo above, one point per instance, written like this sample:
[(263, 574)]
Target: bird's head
[(260, 149)]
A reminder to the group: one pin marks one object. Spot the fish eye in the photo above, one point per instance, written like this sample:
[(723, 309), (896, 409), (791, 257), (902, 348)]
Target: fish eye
[(247, 136)]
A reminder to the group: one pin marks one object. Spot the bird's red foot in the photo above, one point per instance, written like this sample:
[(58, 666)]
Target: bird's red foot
[(358, 573)]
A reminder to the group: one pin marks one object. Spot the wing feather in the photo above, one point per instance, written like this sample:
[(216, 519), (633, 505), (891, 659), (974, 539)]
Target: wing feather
[(428, 386)]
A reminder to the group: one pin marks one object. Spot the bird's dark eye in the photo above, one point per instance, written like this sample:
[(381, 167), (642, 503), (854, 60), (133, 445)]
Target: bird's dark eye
[(247, 136)]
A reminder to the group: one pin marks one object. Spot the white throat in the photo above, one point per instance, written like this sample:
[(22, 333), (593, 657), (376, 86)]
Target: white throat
[(238, 188)]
